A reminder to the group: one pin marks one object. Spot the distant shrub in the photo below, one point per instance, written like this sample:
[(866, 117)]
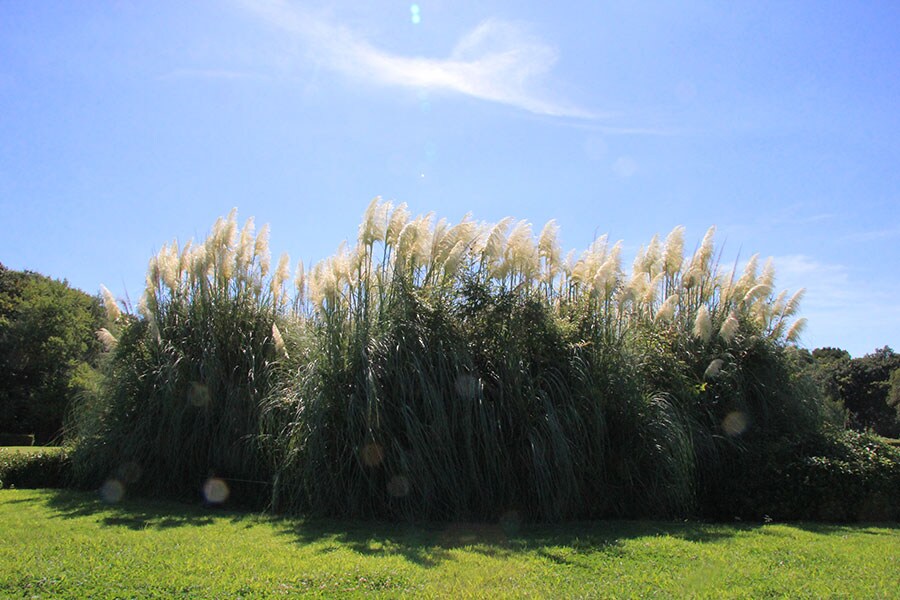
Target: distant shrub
[(39, 469), (830, 476)]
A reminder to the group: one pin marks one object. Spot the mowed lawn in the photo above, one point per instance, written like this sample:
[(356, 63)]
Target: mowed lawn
[(29, 450), (70, 544)]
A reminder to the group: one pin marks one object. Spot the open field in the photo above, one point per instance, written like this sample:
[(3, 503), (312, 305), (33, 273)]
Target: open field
[(63, 543)]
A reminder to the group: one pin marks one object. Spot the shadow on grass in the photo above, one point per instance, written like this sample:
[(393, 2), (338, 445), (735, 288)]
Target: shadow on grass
[(135, 514), (430, 544)]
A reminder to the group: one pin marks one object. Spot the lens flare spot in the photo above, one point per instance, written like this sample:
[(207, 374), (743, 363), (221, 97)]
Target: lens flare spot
[(215, 490), (198, 395), (372, 454), (734, 423), (398, 486), (112, 491), (415, 14)]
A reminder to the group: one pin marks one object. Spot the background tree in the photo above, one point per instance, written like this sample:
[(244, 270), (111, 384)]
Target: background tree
[(47, 347), (868, 386)]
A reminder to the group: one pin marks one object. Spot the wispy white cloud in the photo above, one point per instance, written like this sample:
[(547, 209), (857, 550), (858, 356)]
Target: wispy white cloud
[(873, 236), (496, 61), (859, 315)]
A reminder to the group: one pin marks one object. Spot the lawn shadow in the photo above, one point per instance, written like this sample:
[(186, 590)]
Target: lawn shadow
[(135, 514), (429, 544)]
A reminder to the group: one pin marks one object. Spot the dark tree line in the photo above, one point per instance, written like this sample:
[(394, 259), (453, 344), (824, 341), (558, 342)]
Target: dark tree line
[(867, 387), (47, 351)]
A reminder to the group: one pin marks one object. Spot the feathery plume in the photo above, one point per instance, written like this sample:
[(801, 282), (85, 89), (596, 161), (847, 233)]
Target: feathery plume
[(279, 341), (703, 324), (110, 304), (299, 283), (673, 255), (796, 329), (666, 312), (793, 305), (652, 257), (767, 276), (373, 226), (282, 272), (245, 246), (495, 246), (729, 328), (108, 340), (261, 250), (700, 262), (399, 218)]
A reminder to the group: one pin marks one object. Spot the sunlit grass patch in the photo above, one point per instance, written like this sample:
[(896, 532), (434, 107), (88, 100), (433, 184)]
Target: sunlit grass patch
[(30, 450)]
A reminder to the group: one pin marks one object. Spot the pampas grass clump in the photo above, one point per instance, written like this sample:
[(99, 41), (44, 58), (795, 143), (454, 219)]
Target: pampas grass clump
[(446, 371)]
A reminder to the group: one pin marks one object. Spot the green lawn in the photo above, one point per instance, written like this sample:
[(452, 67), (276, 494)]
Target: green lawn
[(30, 449), (69, 544)]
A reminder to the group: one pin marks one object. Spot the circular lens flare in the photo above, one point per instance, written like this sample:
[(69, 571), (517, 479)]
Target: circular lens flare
[(215, 490)]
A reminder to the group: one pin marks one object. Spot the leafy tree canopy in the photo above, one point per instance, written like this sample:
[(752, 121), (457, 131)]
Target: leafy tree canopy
[(47, 342)]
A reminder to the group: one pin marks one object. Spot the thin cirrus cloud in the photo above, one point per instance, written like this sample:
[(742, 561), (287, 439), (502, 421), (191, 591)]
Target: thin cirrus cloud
[(851, 308), (496, 61)]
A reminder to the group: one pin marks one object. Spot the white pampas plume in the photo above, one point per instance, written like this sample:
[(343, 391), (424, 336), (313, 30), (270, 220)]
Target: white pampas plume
[(767, 276), (424, 235), (108, 340), (245, 247), (652, 289), (261, 250), (373, 226), (793, 305), (300, 283), (607, 275), (548, 246), (667, 310), (703, 324), (167, 259), (279, 341), (651, 257), (521, 254), (760, 290), (700, 262), (282, 272), (185, 258), (454, 259), (796, 329), (729, 328), (495, 246), (439, 234), (673, 255), (748, 277), (110, 304), (399, 219)]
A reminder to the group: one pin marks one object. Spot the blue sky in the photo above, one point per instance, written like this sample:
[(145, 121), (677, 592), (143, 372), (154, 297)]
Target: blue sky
[(127, 124)]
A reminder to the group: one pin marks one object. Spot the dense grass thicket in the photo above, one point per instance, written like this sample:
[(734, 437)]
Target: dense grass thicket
[(442, 371)]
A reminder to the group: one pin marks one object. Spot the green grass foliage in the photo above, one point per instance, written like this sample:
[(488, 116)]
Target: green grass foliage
[(64, 544), (437, 371)]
